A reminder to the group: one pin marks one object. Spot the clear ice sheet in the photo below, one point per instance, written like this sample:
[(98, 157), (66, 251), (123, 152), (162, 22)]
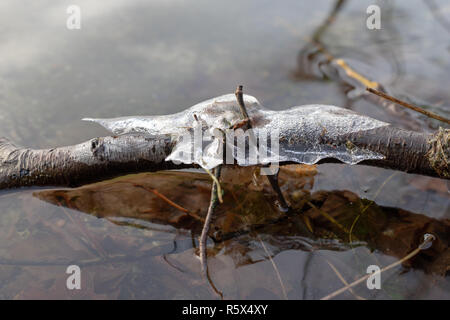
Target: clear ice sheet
[(301, 131)]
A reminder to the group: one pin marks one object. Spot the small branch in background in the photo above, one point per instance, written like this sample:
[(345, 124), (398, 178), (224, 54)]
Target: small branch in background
[(339, 4), (355, 75), (407, 105)]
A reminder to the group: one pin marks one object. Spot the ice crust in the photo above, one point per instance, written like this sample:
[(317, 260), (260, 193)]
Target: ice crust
[(305, 134)]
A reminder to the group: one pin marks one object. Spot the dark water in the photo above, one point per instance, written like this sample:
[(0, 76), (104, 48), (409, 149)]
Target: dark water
[(158, 57)]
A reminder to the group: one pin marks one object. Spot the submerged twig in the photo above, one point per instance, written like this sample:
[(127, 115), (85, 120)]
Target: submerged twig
[(428, 238), (339, 275), (408, 105), (282, 204), (328, 217), (170, 202), (277, 272), (212, 205), (217, 183)]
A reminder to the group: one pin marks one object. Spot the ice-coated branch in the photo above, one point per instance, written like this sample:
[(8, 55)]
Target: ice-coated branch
[(306, 134)]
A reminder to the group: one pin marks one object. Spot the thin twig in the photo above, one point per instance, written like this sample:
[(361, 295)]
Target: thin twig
[(173, 204), (427, 239), (212, 205), (216, 197), (283, 288), (339, 275), (273, 179), (328, 217), (216, 181), (240, 98), (407, 105)]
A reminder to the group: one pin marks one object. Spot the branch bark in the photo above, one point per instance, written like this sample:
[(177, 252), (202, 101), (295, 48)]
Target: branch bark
[(94, 160), (106, 157)]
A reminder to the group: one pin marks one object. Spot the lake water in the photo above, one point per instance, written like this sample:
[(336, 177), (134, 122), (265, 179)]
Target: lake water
[(157, 57)]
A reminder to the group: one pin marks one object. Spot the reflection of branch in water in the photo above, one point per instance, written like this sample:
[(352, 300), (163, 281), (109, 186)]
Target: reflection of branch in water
[(214, 201), (389, 230)]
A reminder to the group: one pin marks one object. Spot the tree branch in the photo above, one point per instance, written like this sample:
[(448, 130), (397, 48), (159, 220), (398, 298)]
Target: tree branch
[(106, 157), (94, 160)]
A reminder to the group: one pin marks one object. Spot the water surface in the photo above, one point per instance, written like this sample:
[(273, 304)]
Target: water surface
[(158, 57)]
